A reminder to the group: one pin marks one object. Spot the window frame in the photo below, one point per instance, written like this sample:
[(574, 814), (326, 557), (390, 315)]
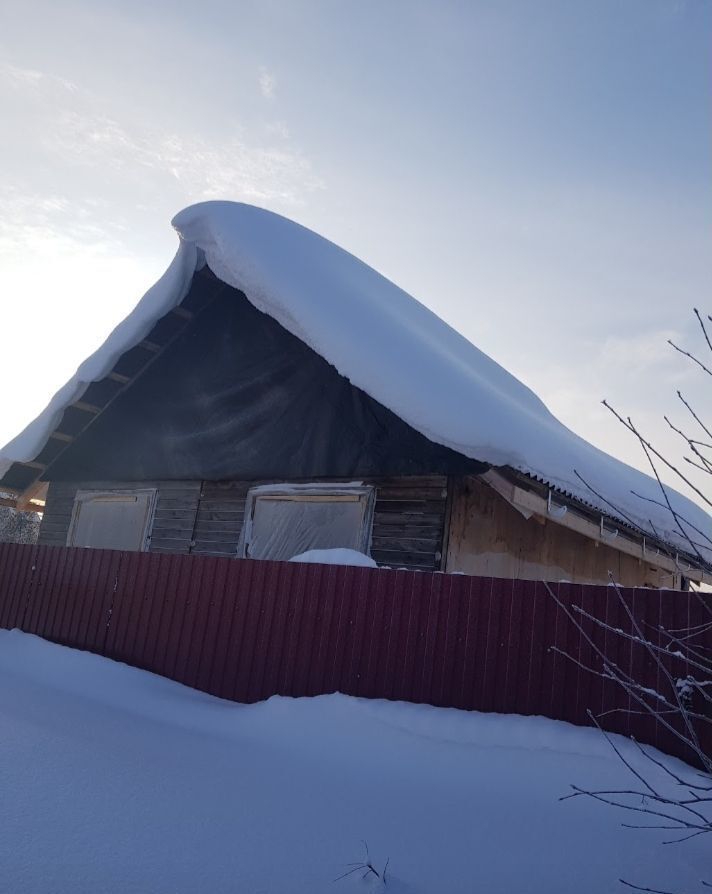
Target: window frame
[(84, 496), (286, 491)]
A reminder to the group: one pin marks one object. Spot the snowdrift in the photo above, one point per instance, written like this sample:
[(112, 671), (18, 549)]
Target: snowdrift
[(115, 780)]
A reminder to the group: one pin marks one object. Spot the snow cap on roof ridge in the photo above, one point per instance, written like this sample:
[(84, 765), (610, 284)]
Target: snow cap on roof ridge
[(386, 343)]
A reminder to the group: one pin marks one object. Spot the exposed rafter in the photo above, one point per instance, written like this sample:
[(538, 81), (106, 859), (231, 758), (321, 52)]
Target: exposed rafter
[(23, 478)]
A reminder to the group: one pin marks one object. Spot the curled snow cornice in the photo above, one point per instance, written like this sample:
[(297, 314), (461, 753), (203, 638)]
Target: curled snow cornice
[(386, 343)]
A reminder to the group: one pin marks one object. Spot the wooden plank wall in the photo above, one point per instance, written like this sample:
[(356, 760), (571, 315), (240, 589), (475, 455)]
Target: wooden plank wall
[(173, 521), (57, 513), (489, 537), (220, 516), (206, 518), (408, 522)]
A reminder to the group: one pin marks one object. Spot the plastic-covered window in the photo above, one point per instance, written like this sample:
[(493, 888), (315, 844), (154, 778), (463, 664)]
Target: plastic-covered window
[(112, 519), (281, 523)]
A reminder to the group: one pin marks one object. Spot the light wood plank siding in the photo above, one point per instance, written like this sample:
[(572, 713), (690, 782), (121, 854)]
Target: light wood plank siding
[(489, 537)]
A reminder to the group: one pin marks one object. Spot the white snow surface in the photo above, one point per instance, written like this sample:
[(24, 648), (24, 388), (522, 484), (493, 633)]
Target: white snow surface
[(337, 556), (115, 780), (387, 344)]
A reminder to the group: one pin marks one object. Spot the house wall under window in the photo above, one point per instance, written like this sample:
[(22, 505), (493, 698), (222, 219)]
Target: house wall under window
[(407, 516), (415, 519)]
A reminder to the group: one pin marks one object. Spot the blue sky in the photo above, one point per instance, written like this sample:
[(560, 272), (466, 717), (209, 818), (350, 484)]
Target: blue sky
[(540, 174)]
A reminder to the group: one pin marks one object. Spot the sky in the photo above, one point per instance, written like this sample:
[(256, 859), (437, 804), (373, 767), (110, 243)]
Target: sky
[(538, 174)]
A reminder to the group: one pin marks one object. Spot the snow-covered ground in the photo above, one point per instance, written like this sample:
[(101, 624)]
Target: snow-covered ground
[(114, 780)]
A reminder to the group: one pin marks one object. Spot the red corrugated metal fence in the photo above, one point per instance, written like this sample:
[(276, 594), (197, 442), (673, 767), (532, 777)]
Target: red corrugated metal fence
[(245, 630)]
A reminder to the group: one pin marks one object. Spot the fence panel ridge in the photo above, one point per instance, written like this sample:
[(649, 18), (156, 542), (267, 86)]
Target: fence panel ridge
[(246, 630)]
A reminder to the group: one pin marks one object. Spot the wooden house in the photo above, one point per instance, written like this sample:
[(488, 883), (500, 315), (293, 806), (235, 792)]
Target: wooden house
[(219, 419)]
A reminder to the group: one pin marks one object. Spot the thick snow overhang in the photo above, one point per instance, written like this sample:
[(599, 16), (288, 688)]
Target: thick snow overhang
[(380, 338)]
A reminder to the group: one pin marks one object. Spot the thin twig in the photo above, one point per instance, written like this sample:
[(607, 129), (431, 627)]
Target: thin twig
[(702, 326), (691, 356), (707, 465), (638, 888), (694, 415), (631, 427)]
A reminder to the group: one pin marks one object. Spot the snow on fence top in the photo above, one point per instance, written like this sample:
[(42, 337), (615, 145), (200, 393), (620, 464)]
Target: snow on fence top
[(387, 344)]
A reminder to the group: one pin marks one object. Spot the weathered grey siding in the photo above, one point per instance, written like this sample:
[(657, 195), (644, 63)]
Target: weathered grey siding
[(206, 518), (57, 513), (173, 520), (220, 516), (409, 522)]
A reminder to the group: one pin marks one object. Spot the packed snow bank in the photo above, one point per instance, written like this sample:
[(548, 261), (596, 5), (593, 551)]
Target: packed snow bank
[(338, 556), (387, 344), (115, 780)]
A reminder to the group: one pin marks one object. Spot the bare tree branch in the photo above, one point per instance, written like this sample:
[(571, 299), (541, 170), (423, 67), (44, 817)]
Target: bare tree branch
[(679, 702), (695, 416), (702, 326), (675, 515), (707, 465), (638, 888), (644, 443), (691, 356)]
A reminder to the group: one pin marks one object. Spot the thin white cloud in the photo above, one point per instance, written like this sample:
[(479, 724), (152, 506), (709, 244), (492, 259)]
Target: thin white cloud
[(234, 169), (24, 78), (51, 222), (268, 83), (277, 129), (74, 130), (639, 375), (86, 199), (645, 354)]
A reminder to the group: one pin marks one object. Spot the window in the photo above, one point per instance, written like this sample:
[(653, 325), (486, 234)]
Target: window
[(112, 519), (282, 521)]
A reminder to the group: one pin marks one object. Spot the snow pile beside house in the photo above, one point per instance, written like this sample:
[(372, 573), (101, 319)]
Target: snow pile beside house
[(387, 344), (116, 780)]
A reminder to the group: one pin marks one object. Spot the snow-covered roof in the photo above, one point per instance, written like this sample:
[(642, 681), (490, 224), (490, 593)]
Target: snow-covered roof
[(386, 343)]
